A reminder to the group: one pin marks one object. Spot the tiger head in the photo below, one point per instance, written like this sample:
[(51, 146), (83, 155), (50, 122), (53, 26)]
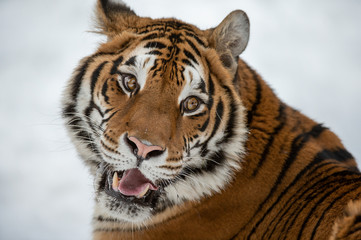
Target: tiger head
[(155, 113)]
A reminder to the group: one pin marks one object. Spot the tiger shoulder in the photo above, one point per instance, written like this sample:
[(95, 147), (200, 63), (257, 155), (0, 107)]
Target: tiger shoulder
[(185, 141)]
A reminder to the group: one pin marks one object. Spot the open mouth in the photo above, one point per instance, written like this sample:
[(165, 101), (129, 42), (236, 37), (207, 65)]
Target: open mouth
[(131, 186)]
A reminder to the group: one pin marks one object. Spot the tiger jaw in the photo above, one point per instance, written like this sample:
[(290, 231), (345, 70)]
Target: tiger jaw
[(130, 186)]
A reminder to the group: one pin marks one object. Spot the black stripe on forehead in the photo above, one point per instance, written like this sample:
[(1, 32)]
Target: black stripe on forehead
[(155, 44), (163, 26), (202, 86), (187, 62), (195, 49), (155, 52), (131, 61), (116, 64), (191, 34), (151, 36), (190, 56)]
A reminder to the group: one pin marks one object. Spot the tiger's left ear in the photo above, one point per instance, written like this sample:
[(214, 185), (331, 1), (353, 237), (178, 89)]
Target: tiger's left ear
[(114, 16), (230, 38)]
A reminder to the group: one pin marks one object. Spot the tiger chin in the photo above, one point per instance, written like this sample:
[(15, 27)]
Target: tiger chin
[(186, 141)]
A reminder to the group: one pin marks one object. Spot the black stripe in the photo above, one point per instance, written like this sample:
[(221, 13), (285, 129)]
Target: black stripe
[(131, 61), (296, 147), (195, 49), (196, 38), (339, 154), (317, 130), (313, 192), (68, 110), (295, 197), (210, 92), (231, 121), (107, 119), (317, 189), (190, 55), (342, 155), (81, 134), (150, 36), (357, 231), (104, 91), (155, 44), (76, 84), (155, 52), (94, 79), (198, 115), (258, 98), (202, 86), (331, 204), (92, 105), (108, 110), (218, 119), (89, 109), (216, 159), (281, 118), (116, 64), (175, 38), (204, 126), (320, 157), (210, 102), (324, 212), (187, 62), (95, 76)]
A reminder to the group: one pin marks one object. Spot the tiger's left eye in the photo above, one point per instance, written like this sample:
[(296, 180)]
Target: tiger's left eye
[(130, 82), (191, 104)]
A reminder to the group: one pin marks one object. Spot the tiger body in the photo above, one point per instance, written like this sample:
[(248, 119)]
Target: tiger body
[(186, 141)]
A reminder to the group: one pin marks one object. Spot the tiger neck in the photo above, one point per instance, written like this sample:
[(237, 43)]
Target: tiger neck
[(273, 126)]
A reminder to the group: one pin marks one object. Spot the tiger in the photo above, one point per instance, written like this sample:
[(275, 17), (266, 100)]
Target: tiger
[(184, 140)]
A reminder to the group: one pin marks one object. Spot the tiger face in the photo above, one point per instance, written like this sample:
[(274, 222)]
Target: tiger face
[(155, 114)]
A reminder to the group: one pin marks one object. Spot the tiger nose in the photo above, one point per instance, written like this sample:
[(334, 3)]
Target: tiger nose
[(142, 150)]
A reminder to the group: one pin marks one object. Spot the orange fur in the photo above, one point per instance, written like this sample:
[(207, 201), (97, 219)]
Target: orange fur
[(296, 176)]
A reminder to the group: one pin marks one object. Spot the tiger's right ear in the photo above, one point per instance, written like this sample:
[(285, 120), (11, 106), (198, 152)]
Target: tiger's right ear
[(230, 38), (113, 17)]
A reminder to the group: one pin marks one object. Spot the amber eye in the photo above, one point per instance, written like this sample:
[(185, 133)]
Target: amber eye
[(191, 104), (130, 82)]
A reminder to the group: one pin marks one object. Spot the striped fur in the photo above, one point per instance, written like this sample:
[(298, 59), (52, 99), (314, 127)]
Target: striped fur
[(243, 165)]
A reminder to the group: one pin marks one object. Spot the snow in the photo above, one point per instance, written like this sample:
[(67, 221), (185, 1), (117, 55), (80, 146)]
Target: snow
[(308, 51)]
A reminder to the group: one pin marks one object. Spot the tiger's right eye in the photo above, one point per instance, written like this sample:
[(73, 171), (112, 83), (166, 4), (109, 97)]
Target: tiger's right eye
[(130, 82), (191, 104)]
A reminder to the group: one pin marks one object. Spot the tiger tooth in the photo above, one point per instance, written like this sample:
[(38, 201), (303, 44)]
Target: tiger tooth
[(115, 182), (144, 192)]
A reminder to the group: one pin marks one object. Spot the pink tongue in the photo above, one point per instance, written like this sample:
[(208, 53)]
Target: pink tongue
[(134, 182)]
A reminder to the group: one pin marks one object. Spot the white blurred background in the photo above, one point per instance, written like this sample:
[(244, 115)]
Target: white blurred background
[(308, 51)]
